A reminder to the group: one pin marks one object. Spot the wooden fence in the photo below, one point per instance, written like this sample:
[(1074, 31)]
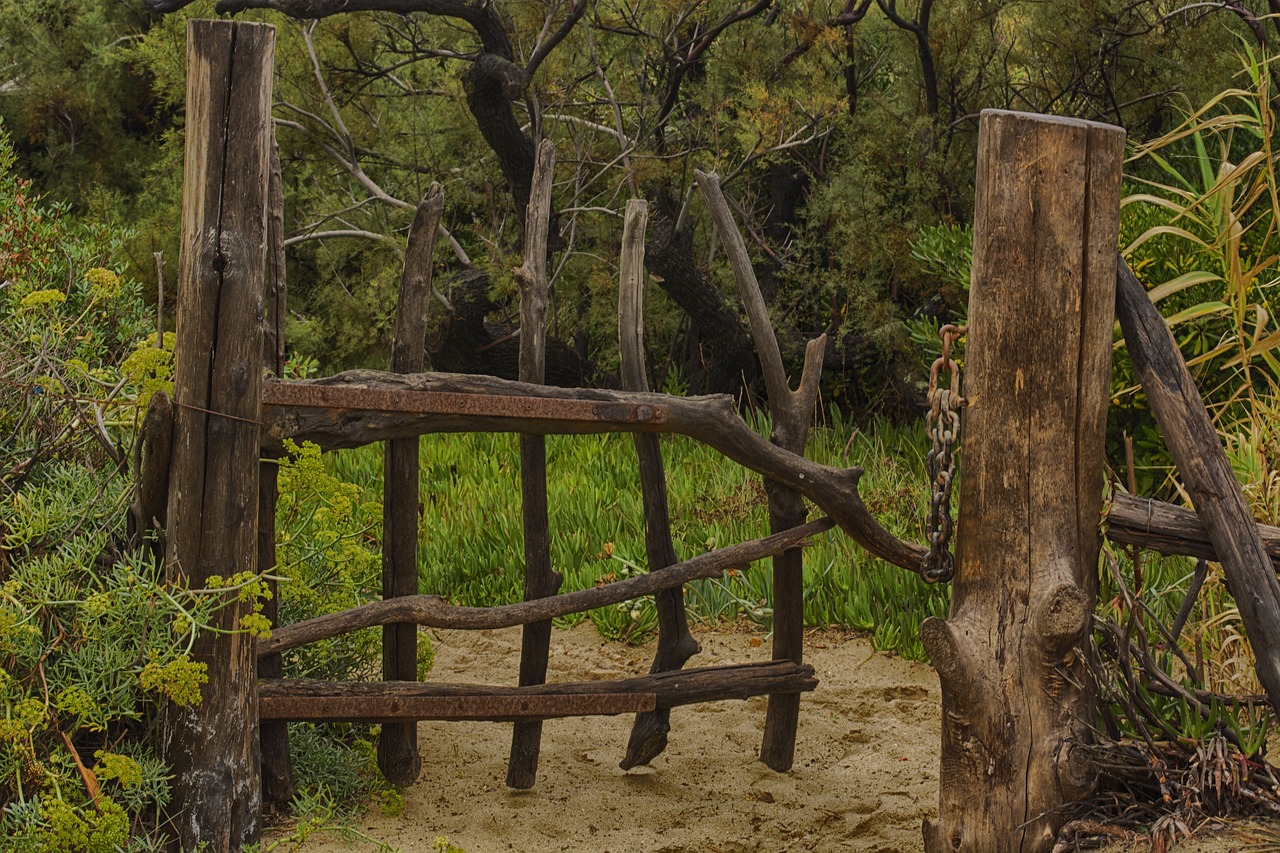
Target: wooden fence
[(1041, 319)]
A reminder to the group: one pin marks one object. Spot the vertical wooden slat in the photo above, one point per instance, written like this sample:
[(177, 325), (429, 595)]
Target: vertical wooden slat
[(212, 747), (792, 412), (539, 580), (277, 767), (675, 644), (1017, 707), (398, 743)]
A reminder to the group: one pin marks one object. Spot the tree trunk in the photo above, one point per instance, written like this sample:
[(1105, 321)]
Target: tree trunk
[(1009, 657), (213, 747)]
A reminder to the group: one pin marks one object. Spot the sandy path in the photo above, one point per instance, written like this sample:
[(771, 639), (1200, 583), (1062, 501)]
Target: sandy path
[(865, 774)]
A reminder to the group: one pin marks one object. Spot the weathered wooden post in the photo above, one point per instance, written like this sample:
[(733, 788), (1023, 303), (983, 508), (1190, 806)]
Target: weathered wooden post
[(539, 579), (277, 767), (398, 742), (1041, 309), (213, 486)]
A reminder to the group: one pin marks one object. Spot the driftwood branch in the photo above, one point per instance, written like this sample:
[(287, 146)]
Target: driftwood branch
[(398, 756), (433, 611), (1206, 473), (792, 414), (539, 580)]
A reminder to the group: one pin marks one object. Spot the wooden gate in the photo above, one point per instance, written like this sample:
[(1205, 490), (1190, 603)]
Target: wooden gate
[(1030, 500)]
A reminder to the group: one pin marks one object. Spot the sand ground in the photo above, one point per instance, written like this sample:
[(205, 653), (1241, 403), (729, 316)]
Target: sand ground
[(865, 775)]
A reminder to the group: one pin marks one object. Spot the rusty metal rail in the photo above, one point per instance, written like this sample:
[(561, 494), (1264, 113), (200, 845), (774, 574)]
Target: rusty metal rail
[(456, 403), (394, 709)]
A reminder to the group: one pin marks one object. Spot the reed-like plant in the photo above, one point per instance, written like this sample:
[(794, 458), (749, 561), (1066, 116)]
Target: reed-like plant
[(1202, 227)]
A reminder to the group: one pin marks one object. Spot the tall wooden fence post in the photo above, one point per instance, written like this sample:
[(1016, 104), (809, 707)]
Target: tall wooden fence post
[(1041, 310), (213, 747), (277, 766)]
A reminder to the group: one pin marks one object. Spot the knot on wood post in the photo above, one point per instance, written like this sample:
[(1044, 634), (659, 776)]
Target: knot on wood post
[(1060, 619)]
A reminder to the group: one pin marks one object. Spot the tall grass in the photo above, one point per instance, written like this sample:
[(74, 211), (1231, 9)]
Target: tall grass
[(471, 547)]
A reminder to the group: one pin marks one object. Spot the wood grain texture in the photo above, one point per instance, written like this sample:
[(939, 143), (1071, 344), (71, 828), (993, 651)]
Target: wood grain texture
[(539, 580), (213, 488), (792, 413), (676, 644), (277, 765), (670, 689), (398, 757), (1206, 473), (1037, 365)]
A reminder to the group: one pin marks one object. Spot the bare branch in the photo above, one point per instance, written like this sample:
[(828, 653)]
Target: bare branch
[(354, 233), (542, 50)]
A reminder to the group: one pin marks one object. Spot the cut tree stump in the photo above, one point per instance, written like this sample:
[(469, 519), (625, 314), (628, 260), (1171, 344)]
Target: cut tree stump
[(1037, 362)]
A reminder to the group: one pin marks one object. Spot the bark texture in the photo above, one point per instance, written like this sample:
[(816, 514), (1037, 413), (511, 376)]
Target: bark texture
[(398, 757), (213, 486), (1015, 705)]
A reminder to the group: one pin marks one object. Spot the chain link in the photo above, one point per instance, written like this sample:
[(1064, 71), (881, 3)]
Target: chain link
[(944, 435)]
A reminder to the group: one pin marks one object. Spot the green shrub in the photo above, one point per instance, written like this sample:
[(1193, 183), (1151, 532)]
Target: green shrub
[(90, 641)]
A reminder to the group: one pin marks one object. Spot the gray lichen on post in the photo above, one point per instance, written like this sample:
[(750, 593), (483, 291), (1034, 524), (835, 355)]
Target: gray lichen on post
[(1037, 363)]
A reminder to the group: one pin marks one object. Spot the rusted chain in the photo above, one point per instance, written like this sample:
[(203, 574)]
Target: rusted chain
[(944, 434)]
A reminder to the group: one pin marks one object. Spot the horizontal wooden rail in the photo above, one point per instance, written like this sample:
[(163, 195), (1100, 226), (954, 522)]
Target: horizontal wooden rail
[(303, 699), (1172, 529), (712, 420), (440, 402), (433, 611), (501, 409), (399, 709)]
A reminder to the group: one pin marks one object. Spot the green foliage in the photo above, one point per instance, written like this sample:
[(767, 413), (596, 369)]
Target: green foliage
[(1201, 224), (471, 541), (329, 559), (90, 642)]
